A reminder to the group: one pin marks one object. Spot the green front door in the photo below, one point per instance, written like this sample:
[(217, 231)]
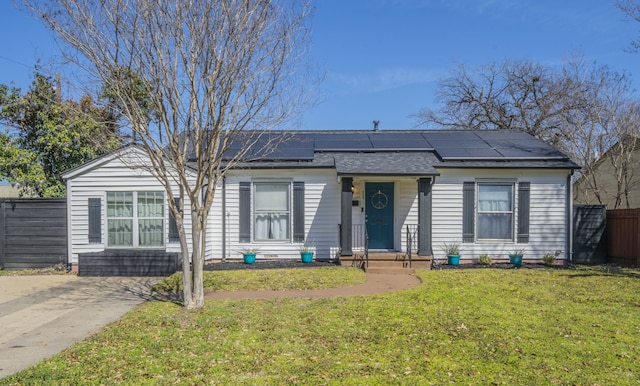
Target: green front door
[(379, 214)]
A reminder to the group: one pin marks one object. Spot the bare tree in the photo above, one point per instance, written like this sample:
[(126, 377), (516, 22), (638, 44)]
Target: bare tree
[(213, 70), (515, 94), (582, 109), (600, 128), (631, 8)]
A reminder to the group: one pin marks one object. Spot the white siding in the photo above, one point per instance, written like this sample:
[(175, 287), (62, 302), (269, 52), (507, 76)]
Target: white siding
[(113, 175), (406, 210), (548, 210), (322, 214), (547, 219)]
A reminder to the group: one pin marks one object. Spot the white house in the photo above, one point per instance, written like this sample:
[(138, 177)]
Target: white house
[(494, 191)]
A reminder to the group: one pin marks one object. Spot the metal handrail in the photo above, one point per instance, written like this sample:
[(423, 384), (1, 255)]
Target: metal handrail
[(410, 240), (409, 243), (366, 247)]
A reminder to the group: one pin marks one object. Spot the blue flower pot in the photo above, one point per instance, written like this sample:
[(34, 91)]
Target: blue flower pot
[(453, 260), (515, 260), (307, 257), (249, 258)]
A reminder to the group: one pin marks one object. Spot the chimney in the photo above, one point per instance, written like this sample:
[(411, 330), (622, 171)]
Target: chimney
[(375, 125)]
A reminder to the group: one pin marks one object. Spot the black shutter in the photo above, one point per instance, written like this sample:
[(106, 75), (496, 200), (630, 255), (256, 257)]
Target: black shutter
[(298, 212), (174, 237), (524, 198), (468, 211), (95, 221), (245, 212)]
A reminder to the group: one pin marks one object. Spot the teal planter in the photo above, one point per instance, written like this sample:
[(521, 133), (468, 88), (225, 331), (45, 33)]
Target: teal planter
[(307, 257), (249, 258), (453, 260), (515, 260)]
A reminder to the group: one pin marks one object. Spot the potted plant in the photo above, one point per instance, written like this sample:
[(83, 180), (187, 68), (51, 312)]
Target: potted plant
[(452, 250), (306, 253), (515, 257), (249, 255)]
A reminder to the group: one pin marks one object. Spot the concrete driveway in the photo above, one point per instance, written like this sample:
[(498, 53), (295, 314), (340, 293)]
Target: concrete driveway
[(42, 315)]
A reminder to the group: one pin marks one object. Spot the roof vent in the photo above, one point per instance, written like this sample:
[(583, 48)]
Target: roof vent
[(375, 125)]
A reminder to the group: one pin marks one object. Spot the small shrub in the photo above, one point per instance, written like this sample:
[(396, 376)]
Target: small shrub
[(549, 258), (451, 249), (517, 252), (484, 259)]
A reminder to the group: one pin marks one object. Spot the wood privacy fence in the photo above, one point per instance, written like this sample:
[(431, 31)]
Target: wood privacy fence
[(623, 236), (33, 232)]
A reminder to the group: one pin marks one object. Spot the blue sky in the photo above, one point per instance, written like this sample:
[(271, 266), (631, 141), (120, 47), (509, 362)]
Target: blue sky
[(383, 58)]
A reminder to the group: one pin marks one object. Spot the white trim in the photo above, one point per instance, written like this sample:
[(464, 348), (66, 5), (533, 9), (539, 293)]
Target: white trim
[(97, 162), (135, 224), (69, 224)]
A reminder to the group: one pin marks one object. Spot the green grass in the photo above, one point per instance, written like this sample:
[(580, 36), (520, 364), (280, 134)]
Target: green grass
[(485, 326), (270, 279)]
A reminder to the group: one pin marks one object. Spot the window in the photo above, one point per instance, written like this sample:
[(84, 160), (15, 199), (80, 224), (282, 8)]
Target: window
[(150, 219), (135, 219), (495, 212), (271, 211)]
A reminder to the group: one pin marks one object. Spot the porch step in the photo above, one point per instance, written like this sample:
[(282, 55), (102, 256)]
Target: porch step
[(390, 270), (389, 262)]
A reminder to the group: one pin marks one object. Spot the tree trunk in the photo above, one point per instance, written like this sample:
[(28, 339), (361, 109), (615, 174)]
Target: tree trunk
[(187, 297), (197, 263)]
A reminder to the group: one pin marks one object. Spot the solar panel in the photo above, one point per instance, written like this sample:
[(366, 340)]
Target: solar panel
[(454, 136), (342, 141), (272, 147), (468, 153), (467, 144), (530, 153), (491, 135), (398, 141)]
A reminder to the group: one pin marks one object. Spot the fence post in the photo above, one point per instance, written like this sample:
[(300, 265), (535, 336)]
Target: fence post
[(637, 251), (2, 233)]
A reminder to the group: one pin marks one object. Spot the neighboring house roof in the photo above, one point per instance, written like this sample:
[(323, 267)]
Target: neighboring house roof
[(9, 191), (607, 185)]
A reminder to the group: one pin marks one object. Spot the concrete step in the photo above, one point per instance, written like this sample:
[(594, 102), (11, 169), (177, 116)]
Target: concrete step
[(390, 270), (387, 260)]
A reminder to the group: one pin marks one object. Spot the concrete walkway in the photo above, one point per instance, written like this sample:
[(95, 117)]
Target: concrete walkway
[(42, 315), (376, 283)]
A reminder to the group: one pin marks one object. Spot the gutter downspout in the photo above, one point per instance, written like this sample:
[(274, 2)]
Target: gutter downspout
[(224, 218), (569, 220)]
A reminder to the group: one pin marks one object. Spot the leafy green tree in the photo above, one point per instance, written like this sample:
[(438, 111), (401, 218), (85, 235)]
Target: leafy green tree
[(45, 136)]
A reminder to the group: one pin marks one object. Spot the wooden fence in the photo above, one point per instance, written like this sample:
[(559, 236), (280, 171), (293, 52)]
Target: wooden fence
[(623, 236), (33, 232)]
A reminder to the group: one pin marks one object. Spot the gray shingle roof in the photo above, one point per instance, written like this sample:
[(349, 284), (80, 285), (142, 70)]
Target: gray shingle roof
[(411, 163)]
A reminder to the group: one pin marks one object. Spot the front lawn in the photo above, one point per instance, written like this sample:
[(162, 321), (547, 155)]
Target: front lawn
[(270, 279), (485, 326)]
